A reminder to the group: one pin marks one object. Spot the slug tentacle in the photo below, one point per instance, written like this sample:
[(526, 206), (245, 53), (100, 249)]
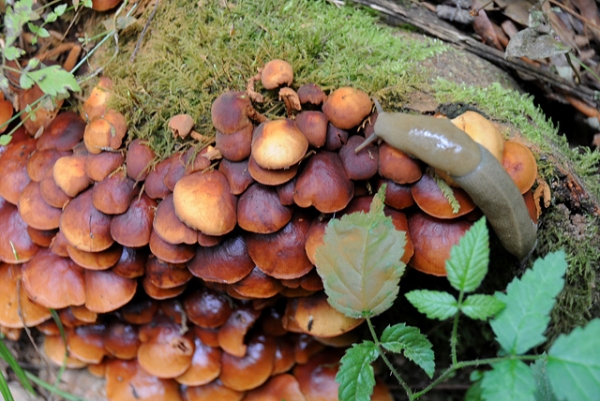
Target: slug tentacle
[(443, 146)]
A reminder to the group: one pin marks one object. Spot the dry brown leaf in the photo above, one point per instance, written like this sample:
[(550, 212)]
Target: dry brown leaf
[(484, 28)]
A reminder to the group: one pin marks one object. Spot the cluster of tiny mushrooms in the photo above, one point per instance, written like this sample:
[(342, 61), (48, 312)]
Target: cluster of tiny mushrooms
[(222, 239)]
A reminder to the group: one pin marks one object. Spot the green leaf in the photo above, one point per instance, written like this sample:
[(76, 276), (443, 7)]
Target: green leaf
[(469, 259), (60, 10), (529, 300), (25, 82), (543, 391), (359, 261), (3, 82), (409, 341), (12, 53), (508, 380), (54, 80), (481, 307), (5, 139), (356, 376), (51, 17), (12, 362), (87, 3), (434, 304), (574, 364), (475, 392), (4, 390)]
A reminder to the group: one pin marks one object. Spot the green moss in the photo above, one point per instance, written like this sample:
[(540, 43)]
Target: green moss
[(195, 52)]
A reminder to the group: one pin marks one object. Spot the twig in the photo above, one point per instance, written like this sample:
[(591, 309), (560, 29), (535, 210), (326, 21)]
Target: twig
[(141, 38)]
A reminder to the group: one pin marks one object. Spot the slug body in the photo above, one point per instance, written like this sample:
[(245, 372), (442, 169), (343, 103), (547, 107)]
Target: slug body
[(444, 146)]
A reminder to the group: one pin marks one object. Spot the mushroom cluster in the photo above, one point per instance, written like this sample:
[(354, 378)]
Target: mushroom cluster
[(183, 271)]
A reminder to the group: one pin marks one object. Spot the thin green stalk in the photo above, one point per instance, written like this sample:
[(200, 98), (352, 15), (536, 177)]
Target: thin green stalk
[(386, 360)]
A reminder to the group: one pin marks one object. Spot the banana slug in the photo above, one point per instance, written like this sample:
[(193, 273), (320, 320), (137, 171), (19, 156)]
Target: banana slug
[(444, 146)]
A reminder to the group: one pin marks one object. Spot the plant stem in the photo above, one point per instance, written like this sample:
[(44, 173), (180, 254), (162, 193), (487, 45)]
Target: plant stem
[(454, 336), (387, 361), (52, 389), (464, 364)]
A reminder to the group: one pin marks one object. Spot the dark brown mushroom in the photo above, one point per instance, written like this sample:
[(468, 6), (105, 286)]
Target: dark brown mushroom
[(237, 174), (362, 165), (207, 308), (133, 228), (257, 285), (230, 112), (313, 124), (63, 133), (13, 164), (168, 226), (121, 340), (35, 211), (132, 263), (99, 166), (16, 245), (251, 370), (40, 161), (312, 94), (236, 146), (179, 253), (271, 177), (259, 210), (96, 260), (16, 309), (166, 275), (138, 160), (113, 194)]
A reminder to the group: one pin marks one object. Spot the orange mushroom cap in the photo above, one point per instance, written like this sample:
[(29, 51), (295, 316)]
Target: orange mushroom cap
[(276, 73), (16, 309), (106, 291), (278, 144), (251, 370), (205, 367), (128, 381), (207, 308), (346, 107)]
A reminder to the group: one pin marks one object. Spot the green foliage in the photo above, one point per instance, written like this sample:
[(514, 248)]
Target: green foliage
[(529, 300), (356, 376), (361, 280), (574, 364), (406, 340), (12, 362), (570, 371)]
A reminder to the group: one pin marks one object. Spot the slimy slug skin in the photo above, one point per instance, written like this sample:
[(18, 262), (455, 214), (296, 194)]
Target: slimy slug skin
[(443, 146)]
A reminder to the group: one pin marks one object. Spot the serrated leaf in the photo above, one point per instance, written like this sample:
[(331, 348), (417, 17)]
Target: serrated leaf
[(469, 259), (434, 304), (12, 53), (574, 364), (529, 300), (481, 307), (359, 261), (409, 341), (54, 80), (543, 391), (508, 380), (355, 376)]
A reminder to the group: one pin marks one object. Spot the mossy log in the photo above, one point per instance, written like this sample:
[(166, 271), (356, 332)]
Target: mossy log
[(194, 51)]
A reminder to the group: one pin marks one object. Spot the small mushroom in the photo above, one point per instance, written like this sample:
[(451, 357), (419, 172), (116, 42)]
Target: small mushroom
[(362, 165), (154, 185), (520, 164), (231, 112), (236, 146), (63, 133), (252, 369), (231, 335), (181, 125), (134, 227), (99, 166), (277, 388), (276, 73), (205, 367), (40, 161), (278, 144), (128, 381), (114, 193), (313, 124), (257, 285), (311, 94), (237, 174), (166, 275), (86, 343), (121, 340), (55, 349), (16, 309), (179, 253), (13, 165), (106, 132), (106, 291), (95, 104), (398, 166), (259, 210), (34, 210), (215, 390), (69, 174), (138, 160), (271, 177), (432, 200), (207, 308), (168, 226), (346, 107), (96, 260)]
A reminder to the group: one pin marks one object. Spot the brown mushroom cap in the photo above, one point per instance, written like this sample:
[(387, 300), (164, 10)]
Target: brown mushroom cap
[(482, 131), (430, 198), (237, 174), (208, 336), (40, 161), (99, 166), (16, 309), (106, 291), (105, 132), (259, 210), (166, 275), (277, 388), (335, 138), (95, 104), (161, 293), (121, 340), (398, 166), (86, 343), (13, 165), (207, 308), (323, 183), (203, 201), (133, 228), (59, 244), (51, 193), (284, 355), (164, 352), (215, 390), (433, 238), (316, 317), (520, 164), (179, 253), (63, 133), (84, 226), (251, 370), (281, 254), (139, 311), (229, 112), (232, 333), (257, 285), (276, 73), (35, 211), (362, 165), (96, 260), (397, 196), (278, 144), (128, 381), (113, 194), (236, 146), (39, 118), (69, 174), (346, 107), (154, 185), (168, 226), (83, 314), (313, 124), (55, 349), (138, 160), (227, 262), (16, 245), (311, 93), (206, 366), (56, 288), (41, 238), (271, 177)]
